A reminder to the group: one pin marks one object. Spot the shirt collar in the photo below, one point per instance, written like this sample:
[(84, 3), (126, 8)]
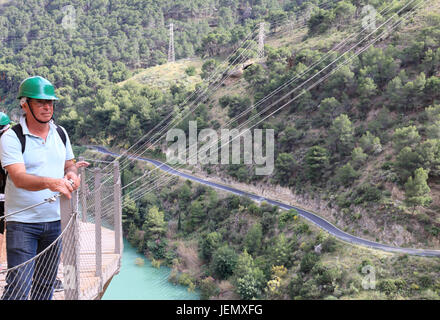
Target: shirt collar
[(6, 127), (26, 129)]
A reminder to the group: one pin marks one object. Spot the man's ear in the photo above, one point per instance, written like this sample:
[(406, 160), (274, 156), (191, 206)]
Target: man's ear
[(23, 102)]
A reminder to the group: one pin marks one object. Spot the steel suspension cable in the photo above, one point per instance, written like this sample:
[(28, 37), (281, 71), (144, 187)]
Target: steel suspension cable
[(189, 112), (275, 91), (340, 57)]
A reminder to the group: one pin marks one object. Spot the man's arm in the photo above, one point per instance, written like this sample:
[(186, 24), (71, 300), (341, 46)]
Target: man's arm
[(71, 172), (21, 179)]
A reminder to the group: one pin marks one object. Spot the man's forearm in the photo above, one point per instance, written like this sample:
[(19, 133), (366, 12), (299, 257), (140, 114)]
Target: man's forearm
[(33, 183), (71, 173), (71, 168)]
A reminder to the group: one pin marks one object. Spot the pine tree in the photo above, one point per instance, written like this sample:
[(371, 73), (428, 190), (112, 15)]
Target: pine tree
[(154, 225), (405, 137), (358, 157), (130, 213), (417, 189), (341, 134), (317, 160), (346, 174)]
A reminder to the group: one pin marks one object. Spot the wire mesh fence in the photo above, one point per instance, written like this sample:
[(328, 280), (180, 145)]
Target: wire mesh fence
[(71, 259)]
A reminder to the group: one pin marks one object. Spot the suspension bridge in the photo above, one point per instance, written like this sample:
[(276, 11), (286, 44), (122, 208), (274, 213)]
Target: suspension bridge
[(90, 243), (91, 239)]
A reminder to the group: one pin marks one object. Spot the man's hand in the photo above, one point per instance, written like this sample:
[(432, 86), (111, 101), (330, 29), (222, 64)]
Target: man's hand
[(80, 164), (71, 172), (70, 175), (62, 186)]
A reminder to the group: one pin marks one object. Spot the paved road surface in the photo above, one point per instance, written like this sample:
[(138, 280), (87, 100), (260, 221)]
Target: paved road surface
[(317, 220)]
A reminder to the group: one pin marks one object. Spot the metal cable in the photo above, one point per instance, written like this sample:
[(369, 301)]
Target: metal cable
[(320, 71)]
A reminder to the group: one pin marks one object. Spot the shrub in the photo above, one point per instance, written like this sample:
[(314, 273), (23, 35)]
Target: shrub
[(286, 217), (187, 280), (267, 222), (208, 288), (308, 262), (170, 257), (253, 239), (295, 286), (329, 245), (425, 281), (346, 175), (155, 263), (310, 290), (191, 71), (343, 200), (208, 68), (365, 262), (387, 286), (157, 248), (320, 21), (281, 251), (302, 228), (224, 261), (367, 193), (434, 231), (248, 287), (208, 244), (255, 209)]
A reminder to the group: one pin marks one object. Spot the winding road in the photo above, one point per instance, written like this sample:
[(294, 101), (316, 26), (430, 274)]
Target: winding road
[(317, 220)]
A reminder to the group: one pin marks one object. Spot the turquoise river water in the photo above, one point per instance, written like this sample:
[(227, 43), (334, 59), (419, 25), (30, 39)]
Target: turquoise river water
[(144, 282)]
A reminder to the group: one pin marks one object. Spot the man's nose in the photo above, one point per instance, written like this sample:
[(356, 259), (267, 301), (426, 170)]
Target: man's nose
[(47, 104)]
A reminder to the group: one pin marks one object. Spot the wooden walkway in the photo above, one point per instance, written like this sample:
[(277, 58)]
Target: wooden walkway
[(87, 244), (91, 286)]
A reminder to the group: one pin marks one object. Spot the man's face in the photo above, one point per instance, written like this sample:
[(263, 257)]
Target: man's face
[(43, 109)]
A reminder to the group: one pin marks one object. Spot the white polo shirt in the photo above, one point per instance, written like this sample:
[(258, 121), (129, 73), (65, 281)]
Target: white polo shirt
[(41, 158)]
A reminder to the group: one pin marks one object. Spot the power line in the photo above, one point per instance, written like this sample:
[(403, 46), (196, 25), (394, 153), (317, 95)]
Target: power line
[(185, 116), (268, 96), (325, 77)]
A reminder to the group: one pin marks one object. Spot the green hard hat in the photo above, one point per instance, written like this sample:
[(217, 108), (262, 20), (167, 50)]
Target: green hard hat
[(37, 88), (4, 119)]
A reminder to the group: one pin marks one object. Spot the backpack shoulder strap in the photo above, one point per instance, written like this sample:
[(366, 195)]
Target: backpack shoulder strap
[(19, 132), (62, 134)]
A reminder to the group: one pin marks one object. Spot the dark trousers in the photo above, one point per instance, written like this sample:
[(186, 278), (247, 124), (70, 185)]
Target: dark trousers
[(30, 274), (2, 220)]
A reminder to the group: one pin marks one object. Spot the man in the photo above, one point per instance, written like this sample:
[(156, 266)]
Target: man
[(40, 171)]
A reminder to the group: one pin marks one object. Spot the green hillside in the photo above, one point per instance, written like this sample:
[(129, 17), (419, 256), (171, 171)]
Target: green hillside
[(359, 181), (358, 144), (232, 248)]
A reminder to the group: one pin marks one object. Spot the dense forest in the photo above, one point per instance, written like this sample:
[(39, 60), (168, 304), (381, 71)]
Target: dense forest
[(229, 247), (370, 130), (84, 48), (362, 148)]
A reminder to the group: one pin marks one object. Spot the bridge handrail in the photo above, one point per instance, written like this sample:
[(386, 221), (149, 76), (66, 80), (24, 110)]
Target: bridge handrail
[(76, 214)]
